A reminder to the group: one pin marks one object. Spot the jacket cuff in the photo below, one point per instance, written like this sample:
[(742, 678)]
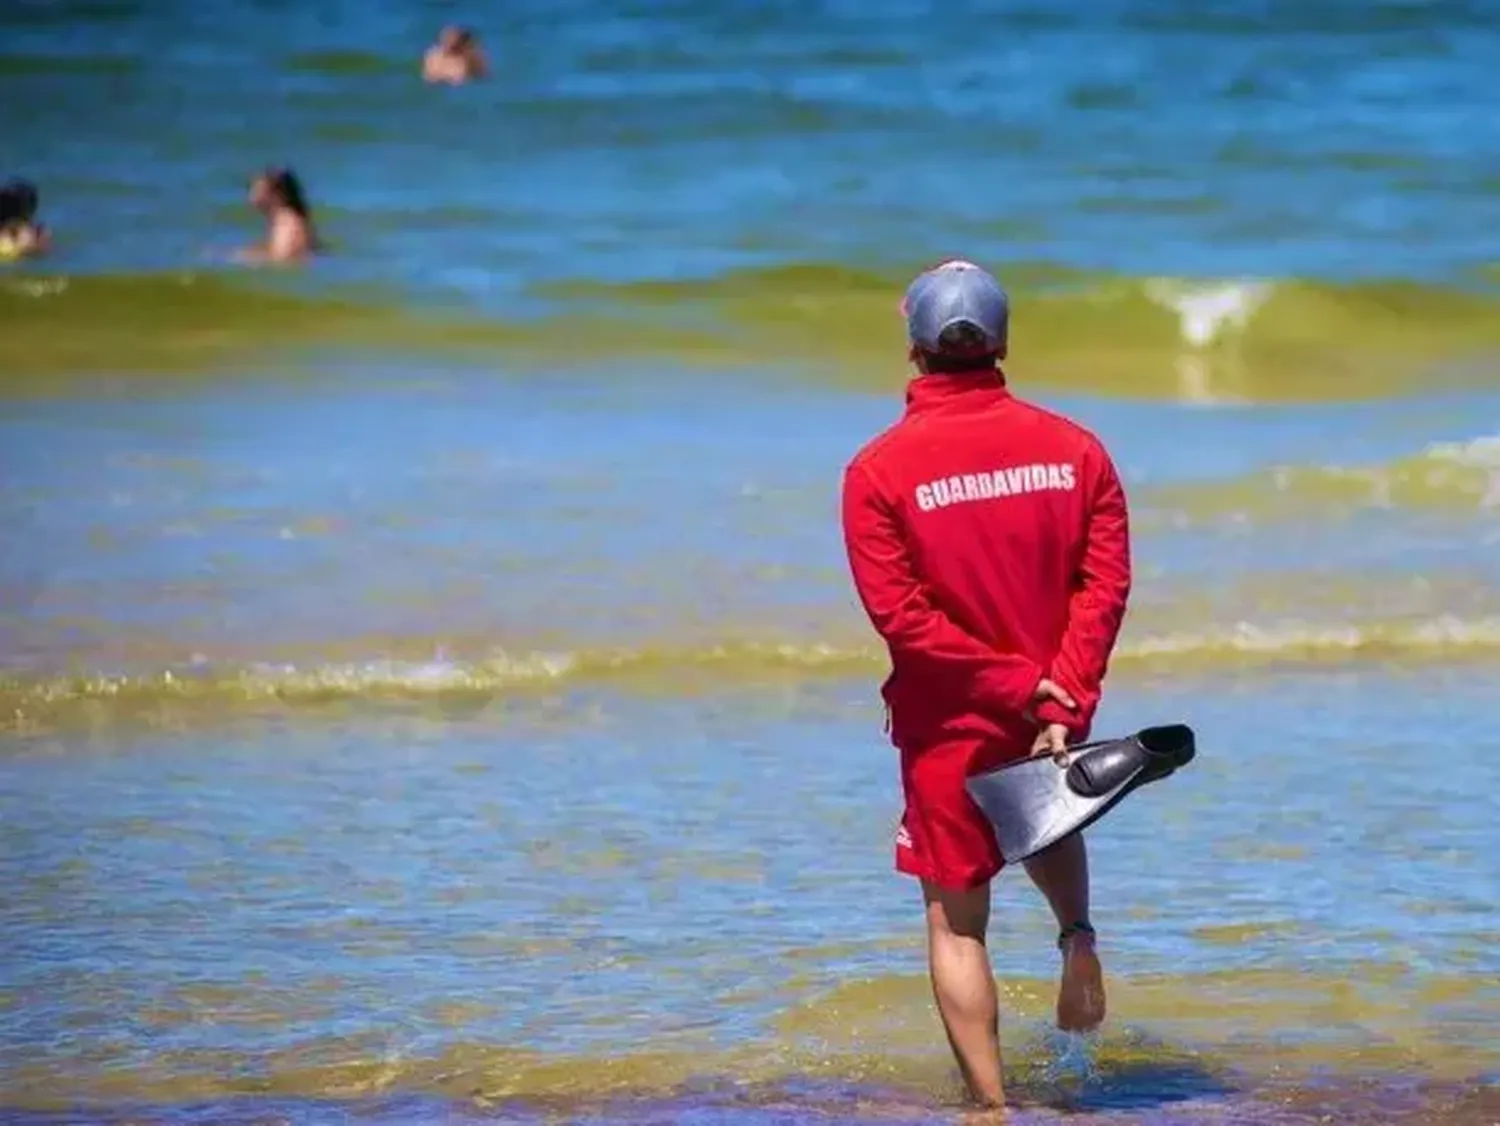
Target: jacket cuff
[(1011, 689), (1050, 711)]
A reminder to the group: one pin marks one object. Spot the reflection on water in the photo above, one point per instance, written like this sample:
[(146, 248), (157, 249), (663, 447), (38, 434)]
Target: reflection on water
[(1157, 1096), (430, 689), (472, 539), (512, 907), (388, 742)]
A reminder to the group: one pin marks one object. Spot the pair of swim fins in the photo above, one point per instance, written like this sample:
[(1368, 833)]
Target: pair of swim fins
[(1036, 802)]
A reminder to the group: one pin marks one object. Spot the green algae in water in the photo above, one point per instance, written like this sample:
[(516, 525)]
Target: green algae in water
[(1166, 338), (195, 323)]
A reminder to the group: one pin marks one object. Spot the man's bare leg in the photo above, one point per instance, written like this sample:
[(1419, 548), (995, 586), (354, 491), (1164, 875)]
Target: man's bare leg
[(1061, 873), (964, 985)]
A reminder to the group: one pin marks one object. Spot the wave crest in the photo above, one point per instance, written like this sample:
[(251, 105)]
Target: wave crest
[(41, 703), (1455, 476), (1180, 339)]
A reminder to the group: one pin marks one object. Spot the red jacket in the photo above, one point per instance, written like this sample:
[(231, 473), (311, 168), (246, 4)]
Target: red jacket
[(990, 546)]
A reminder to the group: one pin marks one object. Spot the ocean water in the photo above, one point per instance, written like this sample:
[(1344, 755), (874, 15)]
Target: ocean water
[(430, 686)]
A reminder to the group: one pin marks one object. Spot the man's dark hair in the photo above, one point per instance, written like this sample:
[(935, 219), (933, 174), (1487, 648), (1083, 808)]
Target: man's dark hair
[(288, 188), (18, 201), (962, 350)]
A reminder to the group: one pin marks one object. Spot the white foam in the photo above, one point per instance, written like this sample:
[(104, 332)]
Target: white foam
[(1205, 310), (1445, 632), (435, 676), (1480, 453), (43, 287)]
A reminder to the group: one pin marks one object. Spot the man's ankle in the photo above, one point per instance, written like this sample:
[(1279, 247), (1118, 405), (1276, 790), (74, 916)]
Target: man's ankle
[(1080, 931)]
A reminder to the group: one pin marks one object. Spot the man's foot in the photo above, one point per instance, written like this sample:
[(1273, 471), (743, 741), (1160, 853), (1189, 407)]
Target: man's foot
[(983, 1116), (1080, 996)]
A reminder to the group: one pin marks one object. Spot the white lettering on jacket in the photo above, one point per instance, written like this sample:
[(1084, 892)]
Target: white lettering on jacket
[(1014, 481)]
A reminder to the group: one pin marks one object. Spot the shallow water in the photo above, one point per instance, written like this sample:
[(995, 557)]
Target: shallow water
[(430, 689)]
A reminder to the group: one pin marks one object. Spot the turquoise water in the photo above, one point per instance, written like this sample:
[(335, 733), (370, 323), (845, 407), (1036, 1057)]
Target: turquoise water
[(430, 685), (669, 140)]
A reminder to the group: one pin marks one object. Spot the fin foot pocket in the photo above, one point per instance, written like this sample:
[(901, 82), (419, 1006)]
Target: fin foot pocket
[(1147, 756)]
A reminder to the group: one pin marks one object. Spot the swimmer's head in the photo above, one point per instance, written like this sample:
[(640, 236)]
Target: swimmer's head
[(279, 187), (18, 201), (453, 39)]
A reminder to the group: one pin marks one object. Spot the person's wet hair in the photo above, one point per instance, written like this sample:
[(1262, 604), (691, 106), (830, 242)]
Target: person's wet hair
[(961, 351), (18, 201), (288, 189)]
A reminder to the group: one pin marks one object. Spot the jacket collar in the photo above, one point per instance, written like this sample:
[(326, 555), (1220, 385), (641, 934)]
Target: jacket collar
[(963, 392)]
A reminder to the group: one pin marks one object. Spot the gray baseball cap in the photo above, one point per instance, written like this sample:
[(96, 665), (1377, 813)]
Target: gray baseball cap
[(956, 292)]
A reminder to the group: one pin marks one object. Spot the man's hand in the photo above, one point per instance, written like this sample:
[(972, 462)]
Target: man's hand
[(1051, 690), (1048, 690), (1052, 740)]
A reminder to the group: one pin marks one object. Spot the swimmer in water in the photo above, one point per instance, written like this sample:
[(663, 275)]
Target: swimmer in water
[(455, 58), (290, 236), (21, 236)]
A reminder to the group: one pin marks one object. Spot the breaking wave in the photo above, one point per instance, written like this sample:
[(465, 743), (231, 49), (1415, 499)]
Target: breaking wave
[(206, 689), (1208, 340), (1453, 476)]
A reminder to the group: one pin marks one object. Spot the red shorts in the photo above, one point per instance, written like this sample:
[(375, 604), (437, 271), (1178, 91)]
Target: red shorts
[(944, 837)]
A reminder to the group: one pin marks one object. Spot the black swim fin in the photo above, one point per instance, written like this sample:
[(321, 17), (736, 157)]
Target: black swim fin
[(1035, 803)]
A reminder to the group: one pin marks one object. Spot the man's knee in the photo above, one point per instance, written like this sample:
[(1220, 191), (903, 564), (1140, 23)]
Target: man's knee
[(957, 912)]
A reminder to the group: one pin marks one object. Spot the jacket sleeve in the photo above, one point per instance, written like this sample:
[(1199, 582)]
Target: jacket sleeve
[(1096, 608), (918, 632)]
